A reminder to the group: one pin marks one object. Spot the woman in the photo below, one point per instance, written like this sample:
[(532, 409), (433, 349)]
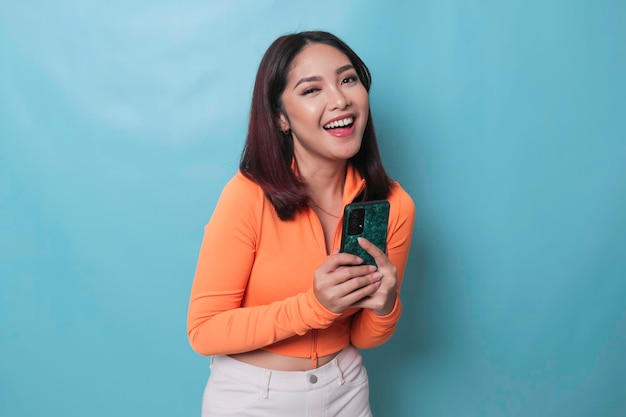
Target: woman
[(275, 304)]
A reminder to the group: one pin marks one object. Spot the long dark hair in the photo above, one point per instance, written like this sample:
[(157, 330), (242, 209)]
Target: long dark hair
[(268, 152)]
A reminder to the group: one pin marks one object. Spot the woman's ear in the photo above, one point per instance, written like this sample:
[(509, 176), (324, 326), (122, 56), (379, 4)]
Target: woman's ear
[(283, 123)]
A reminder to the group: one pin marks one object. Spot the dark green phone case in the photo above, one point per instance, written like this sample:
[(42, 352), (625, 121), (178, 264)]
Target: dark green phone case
[(373, 227)]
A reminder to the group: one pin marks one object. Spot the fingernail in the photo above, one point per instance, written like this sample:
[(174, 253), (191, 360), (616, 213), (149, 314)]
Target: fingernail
[(377, 275)]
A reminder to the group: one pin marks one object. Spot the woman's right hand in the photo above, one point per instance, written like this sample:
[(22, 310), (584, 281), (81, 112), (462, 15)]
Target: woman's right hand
[(342, 281)]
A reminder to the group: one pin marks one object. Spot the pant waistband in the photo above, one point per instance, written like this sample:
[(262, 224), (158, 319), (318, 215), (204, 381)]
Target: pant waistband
[(268, 379)]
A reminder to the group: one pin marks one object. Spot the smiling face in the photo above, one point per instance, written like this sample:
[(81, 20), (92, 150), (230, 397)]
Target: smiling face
[(325, 105)]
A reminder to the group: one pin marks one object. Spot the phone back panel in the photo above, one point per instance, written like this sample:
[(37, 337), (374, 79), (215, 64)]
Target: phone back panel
[(369, 220)]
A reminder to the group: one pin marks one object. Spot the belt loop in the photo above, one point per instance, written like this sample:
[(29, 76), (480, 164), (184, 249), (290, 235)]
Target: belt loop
[(265, 385), (339, 372)]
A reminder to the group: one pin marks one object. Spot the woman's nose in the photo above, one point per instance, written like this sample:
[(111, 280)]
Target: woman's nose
[(337, 99)]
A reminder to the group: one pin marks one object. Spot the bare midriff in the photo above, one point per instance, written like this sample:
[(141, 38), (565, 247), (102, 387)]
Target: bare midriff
[(277, 362)]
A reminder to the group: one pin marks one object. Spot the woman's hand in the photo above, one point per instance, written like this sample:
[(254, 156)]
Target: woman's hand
[(384, 298), (341, 281)]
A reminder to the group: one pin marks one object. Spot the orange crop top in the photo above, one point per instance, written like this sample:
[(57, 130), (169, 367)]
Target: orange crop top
[(253, 286)]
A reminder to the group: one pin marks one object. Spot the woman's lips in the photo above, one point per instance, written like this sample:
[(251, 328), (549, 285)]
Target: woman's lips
[(341, 132)]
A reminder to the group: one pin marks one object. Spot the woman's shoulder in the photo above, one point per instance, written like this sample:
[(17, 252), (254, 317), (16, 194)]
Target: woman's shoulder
[(241, 184), (242, 190), (400, 200)]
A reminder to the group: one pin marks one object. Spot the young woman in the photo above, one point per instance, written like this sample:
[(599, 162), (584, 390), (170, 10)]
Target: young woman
[(279, 309)]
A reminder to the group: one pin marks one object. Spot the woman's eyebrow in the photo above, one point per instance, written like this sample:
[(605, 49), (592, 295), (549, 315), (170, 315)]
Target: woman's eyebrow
[(344, 68), (341, 69), (307, 79)]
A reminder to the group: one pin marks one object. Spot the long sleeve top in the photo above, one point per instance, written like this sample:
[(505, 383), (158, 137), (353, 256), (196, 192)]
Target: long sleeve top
[(253, 286)]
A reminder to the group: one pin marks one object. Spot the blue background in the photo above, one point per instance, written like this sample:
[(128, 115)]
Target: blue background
[(120, 122)]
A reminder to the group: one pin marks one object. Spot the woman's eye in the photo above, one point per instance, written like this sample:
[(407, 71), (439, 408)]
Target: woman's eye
[(350, 79), (310, 90)]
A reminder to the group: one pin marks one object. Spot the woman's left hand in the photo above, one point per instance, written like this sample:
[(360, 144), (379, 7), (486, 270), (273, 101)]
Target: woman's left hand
[(383, 300)]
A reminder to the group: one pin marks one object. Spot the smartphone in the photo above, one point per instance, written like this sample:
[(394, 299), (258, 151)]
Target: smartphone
[(366, 219)]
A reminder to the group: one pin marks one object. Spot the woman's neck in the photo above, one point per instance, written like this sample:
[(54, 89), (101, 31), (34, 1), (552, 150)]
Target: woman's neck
[(324, 181)]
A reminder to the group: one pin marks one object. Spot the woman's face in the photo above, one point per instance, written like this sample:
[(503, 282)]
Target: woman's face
[(324, 105)]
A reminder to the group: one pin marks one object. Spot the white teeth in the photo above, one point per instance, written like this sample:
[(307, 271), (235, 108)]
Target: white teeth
[(339, 123)]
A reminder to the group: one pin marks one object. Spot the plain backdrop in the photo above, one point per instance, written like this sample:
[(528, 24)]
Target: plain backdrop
[(120, 122)]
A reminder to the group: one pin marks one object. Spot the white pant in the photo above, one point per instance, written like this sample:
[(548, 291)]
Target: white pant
[(338, 389)]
